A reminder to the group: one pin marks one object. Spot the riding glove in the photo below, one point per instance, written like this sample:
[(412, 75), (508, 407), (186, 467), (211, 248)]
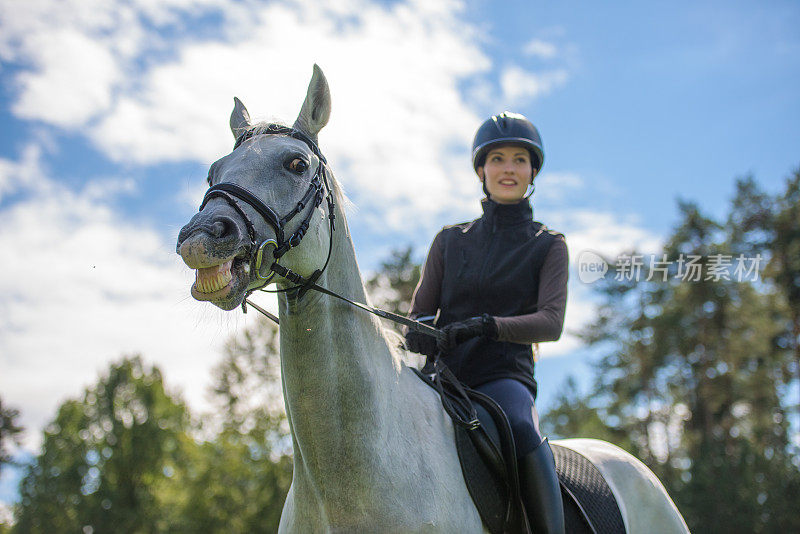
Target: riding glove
[(421, 343), (461, 331)]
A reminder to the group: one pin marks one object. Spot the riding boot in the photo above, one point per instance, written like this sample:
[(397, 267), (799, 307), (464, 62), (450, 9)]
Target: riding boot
[(541, 493)]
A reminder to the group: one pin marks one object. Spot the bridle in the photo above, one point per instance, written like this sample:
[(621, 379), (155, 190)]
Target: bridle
[(230, 192), (318, 190), (454, 399)]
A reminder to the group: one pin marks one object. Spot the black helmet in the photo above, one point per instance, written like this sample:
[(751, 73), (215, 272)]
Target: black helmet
[(507, 127)]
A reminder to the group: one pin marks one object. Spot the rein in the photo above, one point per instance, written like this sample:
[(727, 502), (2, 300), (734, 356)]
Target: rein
[(231, 192)]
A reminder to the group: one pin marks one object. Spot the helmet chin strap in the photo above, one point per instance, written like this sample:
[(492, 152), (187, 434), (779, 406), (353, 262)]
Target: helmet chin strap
[(529, 191)]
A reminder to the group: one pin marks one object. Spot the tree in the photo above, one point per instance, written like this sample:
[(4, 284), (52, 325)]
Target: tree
[(694, 372), (784, 269), (10, 433), (392, 286), (112, 461), (574, 414), (242, 475), (391, 289)]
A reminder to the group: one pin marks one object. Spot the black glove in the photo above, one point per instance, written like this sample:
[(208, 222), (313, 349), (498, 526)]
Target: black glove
[(421, 343), (461, 331)]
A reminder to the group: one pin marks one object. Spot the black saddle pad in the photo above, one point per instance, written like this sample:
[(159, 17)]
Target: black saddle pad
[(589, 505), (489, 465)]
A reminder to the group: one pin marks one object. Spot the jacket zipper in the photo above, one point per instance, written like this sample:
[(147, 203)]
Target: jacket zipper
[(487, 257)]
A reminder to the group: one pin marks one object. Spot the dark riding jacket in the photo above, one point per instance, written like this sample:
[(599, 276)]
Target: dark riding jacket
[(492, 265)]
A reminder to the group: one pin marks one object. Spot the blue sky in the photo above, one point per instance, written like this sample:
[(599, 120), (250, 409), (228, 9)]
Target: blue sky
[(111, 113)]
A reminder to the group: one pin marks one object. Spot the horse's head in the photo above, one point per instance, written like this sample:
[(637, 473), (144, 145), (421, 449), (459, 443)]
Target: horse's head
[(265, 203)]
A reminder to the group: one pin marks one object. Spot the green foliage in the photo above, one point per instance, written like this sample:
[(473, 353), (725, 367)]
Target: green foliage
[(574, 416), (392, 287), (10, 433), (110, 462), (784, 269), (127, 458), (695, 373), (237, 486), (242, 475)]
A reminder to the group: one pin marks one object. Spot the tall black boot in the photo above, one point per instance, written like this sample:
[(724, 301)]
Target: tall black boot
[(541, 493)]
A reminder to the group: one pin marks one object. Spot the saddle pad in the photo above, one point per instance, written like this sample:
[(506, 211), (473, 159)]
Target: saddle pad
[(484, 454), (488, 491), (587, 496)]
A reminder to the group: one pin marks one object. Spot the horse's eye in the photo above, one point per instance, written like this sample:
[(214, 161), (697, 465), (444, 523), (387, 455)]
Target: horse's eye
[(298, 166)]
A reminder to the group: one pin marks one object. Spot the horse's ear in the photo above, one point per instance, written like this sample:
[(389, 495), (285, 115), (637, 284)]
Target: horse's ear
[(316, 108), (240, 118)]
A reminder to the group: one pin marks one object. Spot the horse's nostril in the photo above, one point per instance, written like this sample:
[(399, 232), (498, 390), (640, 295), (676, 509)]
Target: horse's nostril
[(220, 228)]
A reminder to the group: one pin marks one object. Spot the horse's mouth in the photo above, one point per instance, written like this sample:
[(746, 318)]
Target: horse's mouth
[(213, 282), (219, 282)]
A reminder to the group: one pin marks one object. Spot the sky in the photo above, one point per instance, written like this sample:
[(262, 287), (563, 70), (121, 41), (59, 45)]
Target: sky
[(112, 111)]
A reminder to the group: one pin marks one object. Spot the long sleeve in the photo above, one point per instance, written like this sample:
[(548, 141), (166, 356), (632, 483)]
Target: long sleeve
[(547, 323), (425, 300)]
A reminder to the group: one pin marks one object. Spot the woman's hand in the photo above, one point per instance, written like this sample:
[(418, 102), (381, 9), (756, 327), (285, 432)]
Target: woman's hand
[(421, 343), (461, 331)]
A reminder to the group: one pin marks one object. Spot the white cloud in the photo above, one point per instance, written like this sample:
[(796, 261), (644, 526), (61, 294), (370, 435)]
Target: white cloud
[(540, 48), (80, 287), (607, 233), (556, 186), (394, 72), (76, 54), (73, 80), (102, 190), (15, 175), (519, 84)]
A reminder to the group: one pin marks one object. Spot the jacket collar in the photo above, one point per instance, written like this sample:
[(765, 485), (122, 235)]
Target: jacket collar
[(505, 215)]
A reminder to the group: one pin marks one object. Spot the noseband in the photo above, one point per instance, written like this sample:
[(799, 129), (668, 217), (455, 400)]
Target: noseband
[(281, 245)]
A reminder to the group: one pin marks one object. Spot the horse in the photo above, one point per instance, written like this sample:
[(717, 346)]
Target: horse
[(373, 449)]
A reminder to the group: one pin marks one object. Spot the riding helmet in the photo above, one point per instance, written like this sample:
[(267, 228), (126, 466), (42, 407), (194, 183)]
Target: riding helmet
[(507, 127)]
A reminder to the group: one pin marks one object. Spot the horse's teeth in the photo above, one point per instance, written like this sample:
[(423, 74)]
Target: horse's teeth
[(207, 281)]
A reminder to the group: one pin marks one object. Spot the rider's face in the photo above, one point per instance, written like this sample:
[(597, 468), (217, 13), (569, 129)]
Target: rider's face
[(507, 172)]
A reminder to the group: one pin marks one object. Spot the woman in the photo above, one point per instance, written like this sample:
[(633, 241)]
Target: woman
[(499, 284)]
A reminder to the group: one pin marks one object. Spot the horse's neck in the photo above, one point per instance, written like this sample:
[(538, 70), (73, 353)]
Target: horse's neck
[(338, 371)]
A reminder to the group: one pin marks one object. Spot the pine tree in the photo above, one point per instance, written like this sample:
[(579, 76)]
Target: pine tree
[(696, 368)]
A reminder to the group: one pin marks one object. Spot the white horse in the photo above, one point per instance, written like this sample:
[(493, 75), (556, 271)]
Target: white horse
[(373, 449)]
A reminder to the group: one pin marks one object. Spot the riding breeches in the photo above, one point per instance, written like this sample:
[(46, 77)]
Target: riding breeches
[(517, 402)]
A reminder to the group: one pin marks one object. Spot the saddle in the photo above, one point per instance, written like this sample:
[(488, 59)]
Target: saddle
[(486, 452)]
